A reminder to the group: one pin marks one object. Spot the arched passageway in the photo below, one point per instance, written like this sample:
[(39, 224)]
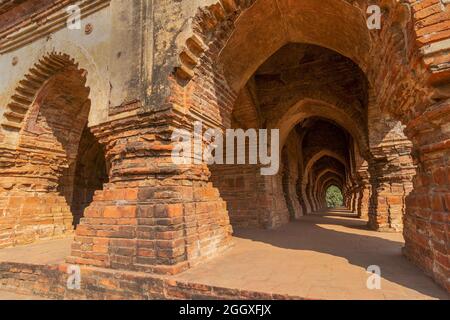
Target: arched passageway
[(236, 70), (281, 74), (333, 197), (60, 164), (342, 97), (319, 102)]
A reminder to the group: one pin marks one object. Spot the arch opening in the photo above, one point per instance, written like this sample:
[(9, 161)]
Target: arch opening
[(91, 173), (57, 128), (334, 197), (60, 162), (318, 100)]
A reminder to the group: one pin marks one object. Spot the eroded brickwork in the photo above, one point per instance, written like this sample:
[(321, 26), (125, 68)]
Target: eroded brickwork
[(86, 134), (101, 284)]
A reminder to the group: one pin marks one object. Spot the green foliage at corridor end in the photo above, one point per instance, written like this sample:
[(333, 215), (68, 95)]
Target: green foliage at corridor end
[(334, 197)]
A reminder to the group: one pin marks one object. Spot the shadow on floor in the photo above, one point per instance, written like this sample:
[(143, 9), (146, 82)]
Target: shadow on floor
[(336, 235)]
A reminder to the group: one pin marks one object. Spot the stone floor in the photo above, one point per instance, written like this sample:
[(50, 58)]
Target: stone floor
[(43, 252), (321, 257), (5, 295)]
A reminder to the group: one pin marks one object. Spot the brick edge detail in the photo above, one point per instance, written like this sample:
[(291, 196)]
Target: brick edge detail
[(49, 281)]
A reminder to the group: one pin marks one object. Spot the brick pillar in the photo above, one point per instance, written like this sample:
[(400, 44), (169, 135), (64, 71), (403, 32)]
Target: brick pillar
[(354, 201), (297, 208), (305, 196), (358, 199), (391, 172), (253, 200), (310, 192), (300, 198), (153, 215), (290, 183), (364, 192), (347, 197), (364, 198), (427, 220), (31, 207)]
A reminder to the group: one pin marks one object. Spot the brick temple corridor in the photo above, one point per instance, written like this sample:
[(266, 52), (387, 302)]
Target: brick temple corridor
[(320, 256), (180, 149)]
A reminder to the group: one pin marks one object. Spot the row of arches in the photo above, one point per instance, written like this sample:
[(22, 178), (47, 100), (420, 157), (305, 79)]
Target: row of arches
[(375, 85), (319, 100), (334, 90)]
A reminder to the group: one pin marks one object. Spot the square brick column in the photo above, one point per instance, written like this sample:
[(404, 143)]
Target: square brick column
[(364, 199), (253, 200), (154, 215)]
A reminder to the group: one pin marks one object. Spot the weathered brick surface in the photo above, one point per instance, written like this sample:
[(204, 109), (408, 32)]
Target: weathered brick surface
[(139, 223), (368, 110), (102, 284), (405, 66)]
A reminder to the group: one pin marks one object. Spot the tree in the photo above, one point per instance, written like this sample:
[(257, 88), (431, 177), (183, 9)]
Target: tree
[(334, 197)]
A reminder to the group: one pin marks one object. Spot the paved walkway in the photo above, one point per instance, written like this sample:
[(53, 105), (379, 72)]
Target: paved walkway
[(320, 257), (42, 252)]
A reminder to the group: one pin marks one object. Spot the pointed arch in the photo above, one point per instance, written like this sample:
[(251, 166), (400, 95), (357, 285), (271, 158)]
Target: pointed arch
[(53, 60), (28, 88)]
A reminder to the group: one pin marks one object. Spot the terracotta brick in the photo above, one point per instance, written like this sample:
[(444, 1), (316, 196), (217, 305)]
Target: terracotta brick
[(365, 112)]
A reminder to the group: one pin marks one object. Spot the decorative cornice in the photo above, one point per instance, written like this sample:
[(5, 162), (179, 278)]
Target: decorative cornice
[(434, 114), (22, 14), (51, 21)]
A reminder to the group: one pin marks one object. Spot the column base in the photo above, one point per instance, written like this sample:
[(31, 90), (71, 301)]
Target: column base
[(157, 229)]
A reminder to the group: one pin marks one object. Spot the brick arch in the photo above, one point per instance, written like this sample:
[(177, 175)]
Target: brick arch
[(321, 188), (306, 177), (29, 87), (325, 171), (209, 38), (276, 23), (61, 163), (315, 108), (401, 75), (212, 92), (226, 16), (214, 23), (213, 26), (332, 180), (319, 155), (96, 80), (51, 63), (322, 174)]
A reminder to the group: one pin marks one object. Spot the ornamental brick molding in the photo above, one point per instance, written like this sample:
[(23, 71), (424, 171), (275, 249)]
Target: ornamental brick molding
[(28, 88)]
